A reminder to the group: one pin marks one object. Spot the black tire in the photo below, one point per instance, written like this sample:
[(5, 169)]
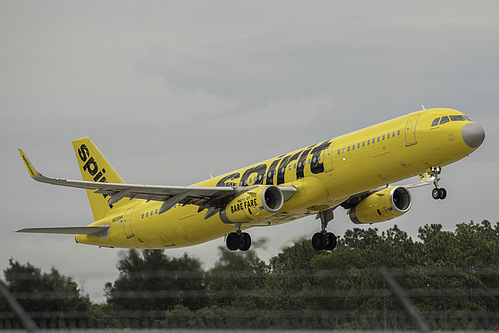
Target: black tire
[(319, 241), (443, 193), (435, 193), (233, 241), (245, 242), (331, 241)]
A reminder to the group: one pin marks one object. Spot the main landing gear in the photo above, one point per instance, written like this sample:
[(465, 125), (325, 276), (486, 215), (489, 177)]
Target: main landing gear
[(437, 193), (238, 240), (324, 240)]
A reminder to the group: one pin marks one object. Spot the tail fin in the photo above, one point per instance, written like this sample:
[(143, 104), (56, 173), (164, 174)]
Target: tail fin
[(94, 167)]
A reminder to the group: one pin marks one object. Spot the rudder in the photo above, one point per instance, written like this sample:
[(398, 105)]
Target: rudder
[(95, 168)]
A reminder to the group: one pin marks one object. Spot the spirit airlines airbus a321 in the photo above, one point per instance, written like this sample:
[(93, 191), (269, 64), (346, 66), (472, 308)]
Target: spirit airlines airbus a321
[(352, 171)]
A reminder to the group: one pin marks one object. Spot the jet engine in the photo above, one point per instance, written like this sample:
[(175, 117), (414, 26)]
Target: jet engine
[(257, 203), (382, 206)]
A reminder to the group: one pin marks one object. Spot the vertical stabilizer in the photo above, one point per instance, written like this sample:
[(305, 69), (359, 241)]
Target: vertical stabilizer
[(95, 168)]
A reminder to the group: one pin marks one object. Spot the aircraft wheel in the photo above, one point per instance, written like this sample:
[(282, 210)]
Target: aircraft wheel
[(439, 193), (245, 240), (331, 241), (319, 241), (233, 241)]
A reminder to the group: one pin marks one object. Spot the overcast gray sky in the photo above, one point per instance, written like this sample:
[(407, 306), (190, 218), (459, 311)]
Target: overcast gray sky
[(173, 91)]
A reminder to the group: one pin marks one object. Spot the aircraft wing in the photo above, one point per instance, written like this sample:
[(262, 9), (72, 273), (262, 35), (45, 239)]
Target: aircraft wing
[(211, 198)]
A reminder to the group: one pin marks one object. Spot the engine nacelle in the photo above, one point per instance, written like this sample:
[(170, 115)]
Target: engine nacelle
[(255, 204), (382, 206)]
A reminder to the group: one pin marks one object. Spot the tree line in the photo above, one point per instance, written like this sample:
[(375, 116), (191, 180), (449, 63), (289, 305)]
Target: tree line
[(452, 277)]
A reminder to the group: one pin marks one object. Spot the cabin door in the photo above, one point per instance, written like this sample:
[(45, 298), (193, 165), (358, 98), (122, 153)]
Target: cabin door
[(410, 130)]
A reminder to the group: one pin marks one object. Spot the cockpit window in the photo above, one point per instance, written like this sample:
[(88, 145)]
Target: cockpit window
[(435, 122), (444, 120), (457, 118)]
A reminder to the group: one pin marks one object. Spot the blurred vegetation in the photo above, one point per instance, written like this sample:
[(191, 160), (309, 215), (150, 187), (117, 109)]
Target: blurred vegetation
[(452, 278)]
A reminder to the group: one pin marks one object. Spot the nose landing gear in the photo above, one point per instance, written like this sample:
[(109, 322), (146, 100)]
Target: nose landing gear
[(437, 193)]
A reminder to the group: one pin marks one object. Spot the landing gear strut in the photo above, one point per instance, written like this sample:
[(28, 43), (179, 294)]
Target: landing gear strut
[(324, 240), (238, 240), (437, 193)]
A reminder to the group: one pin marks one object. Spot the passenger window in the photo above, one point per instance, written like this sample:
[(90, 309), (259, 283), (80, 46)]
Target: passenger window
[(339, 151), (348, 148), (156, 211), (343, 149), (368, 142), (398, 133), (388, 136), (358, 145), (435, 122), (457, 118), (444, 120), (353, 147), (147, 214), (383, 137), (363, 144)]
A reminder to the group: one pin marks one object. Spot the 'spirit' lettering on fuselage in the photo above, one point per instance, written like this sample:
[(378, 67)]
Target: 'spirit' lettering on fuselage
[(279, 168)]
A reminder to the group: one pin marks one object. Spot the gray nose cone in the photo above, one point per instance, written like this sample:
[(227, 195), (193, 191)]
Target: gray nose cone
[(473, 135)]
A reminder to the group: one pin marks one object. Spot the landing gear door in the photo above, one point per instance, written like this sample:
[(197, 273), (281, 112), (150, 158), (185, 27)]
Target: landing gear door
[(410, 130), (127, 223)]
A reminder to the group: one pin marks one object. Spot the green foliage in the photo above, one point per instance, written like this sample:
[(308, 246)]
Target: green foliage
[(451, 277), (39, 291), (45, 295), (151, 281), (234, 279)]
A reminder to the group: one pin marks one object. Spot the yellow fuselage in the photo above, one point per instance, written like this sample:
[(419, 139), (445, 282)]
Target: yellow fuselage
[(325, 175)]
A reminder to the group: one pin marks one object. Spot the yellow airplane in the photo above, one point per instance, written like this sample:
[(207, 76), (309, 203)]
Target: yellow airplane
[(353, 171)]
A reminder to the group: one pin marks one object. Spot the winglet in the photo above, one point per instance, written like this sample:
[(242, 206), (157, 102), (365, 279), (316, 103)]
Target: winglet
[(31, 169)]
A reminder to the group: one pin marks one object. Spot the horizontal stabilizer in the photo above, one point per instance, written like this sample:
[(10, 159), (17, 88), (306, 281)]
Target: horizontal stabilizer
[(67, 230)]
